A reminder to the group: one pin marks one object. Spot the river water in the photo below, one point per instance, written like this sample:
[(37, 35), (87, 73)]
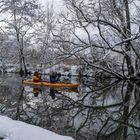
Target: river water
[(100, 109)]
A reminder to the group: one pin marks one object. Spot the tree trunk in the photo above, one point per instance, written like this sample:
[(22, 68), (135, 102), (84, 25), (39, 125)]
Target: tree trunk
[(128, 48), (21, 58)]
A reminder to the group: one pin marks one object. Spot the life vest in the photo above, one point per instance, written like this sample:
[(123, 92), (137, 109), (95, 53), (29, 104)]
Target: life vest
[(36, 79)]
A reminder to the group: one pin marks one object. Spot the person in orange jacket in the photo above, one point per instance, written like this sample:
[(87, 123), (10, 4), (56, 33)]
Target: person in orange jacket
[(36, 77)]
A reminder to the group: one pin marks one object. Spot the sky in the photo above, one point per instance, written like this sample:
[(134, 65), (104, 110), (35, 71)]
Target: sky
[(17, 130), (58, 4)]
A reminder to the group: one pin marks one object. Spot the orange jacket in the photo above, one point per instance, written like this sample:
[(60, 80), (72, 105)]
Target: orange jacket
[(36, 78)]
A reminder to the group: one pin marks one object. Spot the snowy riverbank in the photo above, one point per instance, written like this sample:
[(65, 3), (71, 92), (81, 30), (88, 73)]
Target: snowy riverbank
[(17, 130)]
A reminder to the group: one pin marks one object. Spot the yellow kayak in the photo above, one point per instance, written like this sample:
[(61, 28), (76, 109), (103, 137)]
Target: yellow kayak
[(49, 84)]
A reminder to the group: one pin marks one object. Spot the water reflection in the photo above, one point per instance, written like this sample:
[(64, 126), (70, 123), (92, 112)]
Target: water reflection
[(36, 91), (53, 93), (39, 90), (101, 110)]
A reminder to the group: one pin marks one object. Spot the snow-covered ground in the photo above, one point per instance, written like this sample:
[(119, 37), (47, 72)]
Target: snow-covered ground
[(17, 130)]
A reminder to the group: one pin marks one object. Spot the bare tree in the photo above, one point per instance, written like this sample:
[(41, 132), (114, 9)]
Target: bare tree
[(105, 26), (22, 17), (44, 36)]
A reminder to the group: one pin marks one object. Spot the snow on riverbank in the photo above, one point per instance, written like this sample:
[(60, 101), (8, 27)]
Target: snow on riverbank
[(17, 130)]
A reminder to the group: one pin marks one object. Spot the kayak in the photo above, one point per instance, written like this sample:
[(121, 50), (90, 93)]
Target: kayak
[(49, 84)]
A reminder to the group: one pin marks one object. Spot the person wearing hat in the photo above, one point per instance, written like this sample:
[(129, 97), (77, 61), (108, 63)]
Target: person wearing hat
[(36, 77), (54, 77)]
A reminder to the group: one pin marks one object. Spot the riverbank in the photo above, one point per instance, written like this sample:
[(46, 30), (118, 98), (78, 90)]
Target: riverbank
[(15, 130)]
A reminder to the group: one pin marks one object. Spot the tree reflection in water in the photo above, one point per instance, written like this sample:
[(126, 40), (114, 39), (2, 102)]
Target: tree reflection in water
[(103, 109)]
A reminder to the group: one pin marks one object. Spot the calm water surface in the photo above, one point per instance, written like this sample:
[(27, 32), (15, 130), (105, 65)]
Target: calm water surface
[(101, 109)]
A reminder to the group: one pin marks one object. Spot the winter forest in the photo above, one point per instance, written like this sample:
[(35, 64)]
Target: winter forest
[(103, 34), (101, 39)]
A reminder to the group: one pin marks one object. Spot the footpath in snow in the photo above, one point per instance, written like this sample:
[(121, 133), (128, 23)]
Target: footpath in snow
[(17, 130)]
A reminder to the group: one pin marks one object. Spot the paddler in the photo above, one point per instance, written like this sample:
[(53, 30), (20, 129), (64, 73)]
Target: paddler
[(54, 77), (36, 77)]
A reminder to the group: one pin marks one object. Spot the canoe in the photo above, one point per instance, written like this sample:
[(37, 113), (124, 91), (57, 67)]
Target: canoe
[(49, 84)]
